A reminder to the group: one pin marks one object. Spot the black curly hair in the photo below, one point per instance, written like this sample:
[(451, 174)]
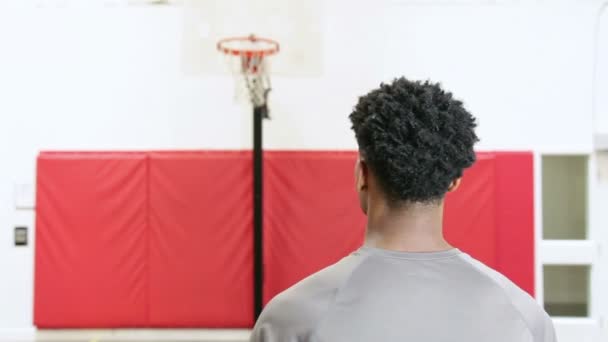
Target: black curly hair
[(415, 138)]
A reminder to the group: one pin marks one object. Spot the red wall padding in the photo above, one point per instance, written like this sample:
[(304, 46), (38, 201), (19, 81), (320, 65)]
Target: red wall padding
[(144, 240), (165, 239), (470, 215), (201, 250), (312, 217), (91, 254), (515, 218)]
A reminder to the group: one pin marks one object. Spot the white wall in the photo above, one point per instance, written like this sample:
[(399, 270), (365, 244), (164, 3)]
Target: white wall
[(81, 78), (601, 71), (523, 67)]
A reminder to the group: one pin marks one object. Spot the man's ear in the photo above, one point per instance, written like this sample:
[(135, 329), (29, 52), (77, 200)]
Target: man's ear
[(455, 184), (361, 175)]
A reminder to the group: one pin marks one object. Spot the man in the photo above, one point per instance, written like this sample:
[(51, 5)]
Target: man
[(407, 283)]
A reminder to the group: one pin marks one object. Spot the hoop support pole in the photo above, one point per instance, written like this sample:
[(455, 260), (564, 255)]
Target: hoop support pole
[(259, 113)]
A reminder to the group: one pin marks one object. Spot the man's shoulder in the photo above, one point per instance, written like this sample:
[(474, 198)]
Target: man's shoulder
[(296, 311), (532, 314)]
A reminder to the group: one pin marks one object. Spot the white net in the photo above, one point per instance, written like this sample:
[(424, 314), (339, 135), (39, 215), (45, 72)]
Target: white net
[(248, 61)]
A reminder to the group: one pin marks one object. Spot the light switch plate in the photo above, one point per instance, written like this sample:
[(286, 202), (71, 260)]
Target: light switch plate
[(24, 195)]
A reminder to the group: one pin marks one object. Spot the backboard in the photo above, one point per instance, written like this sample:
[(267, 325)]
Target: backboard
[(297, 25)]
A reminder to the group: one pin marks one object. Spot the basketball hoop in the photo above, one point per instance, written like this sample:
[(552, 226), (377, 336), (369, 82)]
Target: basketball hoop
[(246, 57)]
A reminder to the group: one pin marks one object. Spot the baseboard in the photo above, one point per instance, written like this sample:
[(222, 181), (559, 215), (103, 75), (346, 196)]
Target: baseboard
[(103, 335), (17, 335)]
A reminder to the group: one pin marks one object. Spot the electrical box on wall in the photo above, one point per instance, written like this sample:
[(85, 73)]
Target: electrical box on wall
[(20, 236)]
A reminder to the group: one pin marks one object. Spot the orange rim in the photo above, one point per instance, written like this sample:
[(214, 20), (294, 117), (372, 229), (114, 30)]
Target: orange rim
[(273, 49)]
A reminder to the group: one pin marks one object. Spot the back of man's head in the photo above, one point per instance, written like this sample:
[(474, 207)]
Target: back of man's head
[(415, 138)]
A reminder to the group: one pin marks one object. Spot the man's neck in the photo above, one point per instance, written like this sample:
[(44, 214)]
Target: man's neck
[(412, 228)]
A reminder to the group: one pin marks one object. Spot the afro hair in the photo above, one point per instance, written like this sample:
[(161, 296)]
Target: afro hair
[(415, 138)]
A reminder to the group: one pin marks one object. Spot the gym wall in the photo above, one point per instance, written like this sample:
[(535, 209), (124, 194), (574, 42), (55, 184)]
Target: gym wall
[(73, 82)]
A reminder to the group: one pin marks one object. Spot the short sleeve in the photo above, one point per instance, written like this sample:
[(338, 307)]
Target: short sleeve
[(549, 330), (284, 320)]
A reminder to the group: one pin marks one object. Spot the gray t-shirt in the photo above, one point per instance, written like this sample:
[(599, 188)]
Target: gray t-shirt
[(380, 295)]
